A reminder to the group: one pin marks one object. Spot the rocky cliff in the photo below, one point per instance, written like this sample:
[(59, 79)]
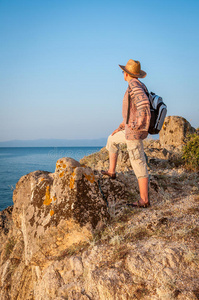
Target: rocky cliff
[(73, 234)]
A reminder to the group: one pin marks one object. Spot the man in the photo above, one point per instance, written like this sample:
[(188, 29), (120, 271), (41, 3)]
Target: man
[(133, 129)]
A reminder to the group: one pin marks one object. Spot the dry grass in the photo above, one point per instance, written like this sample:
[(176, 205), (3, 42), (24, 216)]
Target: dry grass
[(137, 233), (117, 253), (191, 256), (169, 289), (75, 249)]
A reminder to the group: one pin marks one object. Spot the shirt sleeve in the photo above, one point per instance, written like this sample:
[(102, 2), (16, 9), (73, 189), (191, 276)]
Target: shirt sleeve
[(121, 126), (141, 117)]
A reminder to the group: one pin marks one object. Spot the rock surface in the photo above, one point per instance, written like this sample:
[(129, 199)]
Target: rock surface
[(6, 224), (46, 204), (174, 131), (75, 236)]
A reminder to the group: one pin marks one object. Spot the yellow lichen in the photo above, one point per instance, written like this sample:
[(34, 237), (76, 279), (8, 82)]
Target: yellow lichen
[(61, 174), (47, 200), (52, 213), (41, 179), (54, 198), (90, 178), (60, 165), (72, 180)]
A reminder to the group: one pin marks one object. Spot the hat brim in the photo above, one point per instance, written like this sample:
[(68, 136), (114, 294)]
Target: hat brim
[(142, 74)]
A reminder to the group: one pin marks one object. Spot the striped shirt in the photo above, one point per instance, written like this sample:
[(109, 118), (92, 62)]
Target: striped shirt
[(139, 118)]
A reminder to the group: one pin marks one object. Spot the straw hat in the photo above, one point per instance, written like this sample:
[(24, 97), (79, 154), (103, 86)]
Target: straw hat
[(133, 68)]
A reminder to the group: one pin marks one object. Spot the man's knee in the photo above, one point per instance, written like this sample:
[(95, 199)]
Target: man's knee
[(109, 138), (111, 145)]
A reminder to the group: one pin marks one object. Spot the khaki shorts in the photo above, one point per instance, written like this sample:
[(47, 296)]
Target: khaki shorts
[(135, 149)]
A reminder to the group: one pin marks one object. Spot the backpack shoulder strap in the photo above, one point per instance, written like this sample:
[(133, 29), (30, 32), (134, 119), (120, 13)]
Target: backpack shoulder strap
[(145, 89), (128, 109)]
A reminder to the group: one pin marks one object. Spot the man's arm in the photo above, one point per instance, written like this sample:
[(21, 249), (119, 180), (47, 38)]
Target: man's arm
[(121, 127)]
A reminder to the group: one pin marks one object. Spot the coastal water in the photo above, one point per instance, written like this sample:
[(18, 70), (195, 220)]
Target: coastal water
[(16, 162)]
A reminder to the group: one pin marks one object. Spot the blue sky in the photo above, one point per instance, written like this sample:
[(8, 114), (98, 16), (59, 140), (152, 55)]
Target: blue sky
[(59, 74)]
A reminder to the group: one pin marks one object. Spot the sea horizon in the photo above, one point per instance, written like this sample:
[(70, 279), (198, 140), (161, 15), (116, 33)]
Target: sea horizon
[(16, 162), (55, 143)]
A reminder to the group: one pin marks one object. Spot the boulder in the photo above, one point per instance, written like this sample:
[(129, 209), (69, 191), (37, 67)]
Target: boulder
[(57, 210), (174, 131)]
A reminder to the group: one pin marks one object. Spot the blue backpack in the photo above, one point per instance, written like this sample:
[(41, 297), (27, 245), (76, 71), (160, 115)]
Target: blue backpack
[(158, 113)]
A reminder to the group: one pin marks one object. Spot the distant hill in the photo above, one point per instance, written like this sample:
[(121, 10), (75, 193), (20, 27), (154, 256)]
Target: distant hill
[(55, 143)]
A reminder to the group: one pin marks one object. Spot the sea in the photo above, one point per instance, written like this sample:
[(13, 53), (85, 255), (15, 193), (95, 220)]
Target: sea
[(19, 161)]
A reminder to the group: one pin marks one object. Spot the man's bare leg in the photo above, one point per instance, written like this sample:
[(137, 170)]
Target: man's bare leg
[(112, 162), (112, 165), (143, 186)]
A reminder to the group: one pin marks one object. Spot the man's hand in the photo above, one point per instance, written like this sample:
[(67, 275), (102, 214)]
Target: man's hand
[(115, 131)]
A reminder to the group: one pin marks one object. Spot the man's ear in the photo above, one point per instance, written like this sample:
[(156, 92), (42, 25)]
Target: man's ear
[(128, 77)]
